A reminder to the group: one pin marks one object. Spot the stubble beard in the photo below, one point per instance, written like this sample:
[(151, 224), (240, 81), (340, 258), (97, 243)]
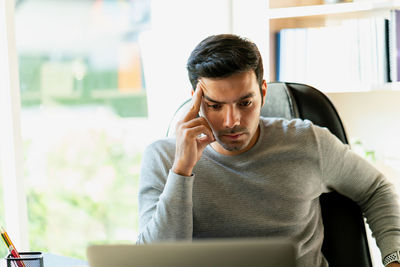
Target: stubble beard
[(233, 145)]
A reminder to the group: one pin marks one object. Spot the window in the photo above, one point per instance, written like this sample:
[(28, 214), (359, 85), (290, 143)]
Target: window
[(84, 110)]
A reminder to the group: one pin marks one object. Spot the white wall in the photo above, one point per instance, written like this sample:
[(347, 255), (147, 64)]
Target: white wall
[(374, 118)]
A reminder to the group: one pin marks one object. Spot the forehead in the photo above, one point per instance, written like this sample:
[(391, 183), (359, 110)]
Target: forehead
[(231, 88)]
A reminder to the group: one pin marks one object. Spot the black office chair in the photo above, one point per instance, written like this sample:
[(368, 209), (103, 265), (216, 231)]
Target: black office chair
[(345, 242)]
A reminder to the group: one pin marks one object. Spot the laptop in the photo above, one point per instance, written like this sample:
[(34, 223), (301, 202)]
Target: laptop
[(205, 253)]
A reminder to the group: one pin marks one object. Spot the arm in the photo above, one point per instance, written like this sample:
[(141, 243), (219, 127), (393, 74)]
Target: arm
[(347, 173), (165, 191), (165, 204)]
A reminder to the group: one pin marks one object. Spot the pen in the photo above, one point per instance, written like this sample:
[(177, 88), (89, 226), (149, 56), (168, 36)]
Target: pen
[(11, 247)]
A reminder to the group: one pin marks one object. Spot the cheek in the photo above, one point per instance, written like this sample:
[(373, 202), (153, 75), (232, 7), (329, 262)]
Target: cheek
[(251, 119), (209, 116), (251, 114), (213, 119)]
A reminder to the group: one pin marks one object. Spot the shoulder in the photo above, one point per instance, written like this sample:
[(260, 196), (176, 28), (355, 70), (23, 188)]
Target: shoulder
[(158, 157), (294, 125), (164, 144), (295, 130), (162, 148)]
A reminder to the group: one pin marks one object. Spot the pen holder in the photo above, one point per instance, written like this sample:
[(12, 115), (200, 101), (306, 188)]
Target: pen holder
[(28, 259)]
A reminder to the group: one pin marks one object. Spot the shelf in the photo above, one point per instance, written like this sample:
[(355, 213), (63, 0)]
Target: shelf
[(331, 9), (395, 86), (361, 88)]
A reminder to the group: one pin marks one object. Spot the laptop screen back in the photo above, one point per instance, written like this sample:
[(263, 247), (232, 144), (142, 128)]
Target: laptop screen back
[(210, 253)]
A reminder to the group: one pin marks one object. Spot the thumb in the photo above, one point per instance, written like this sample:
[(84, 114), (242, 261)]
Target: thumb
[(204, 141)]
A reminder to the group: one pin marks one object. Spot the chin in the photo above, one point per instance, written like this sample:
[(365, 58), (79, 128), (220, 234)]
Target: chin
[(233, 146)]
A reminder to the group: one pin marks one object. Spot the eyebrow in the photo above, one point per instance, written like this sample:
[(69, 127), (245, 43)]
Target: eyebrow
[(238, 100)]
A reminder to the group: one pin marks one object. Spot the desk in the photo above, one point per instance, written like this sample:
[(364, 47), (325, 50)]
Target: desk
[(53, 260)]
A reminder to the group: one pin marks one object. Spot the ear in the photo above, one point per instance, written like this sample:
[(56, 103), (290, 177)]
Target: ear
[(192, 92), (264, 91)]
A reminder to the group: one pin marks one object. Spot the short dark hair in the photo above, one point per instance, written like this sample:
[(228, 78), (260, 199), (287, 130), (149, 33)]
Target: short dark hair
[(220, 56)]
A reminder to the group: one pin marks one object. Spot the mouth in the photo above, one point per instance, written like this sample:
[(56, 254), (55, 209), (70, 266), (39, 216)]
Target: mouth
[(234, 136)]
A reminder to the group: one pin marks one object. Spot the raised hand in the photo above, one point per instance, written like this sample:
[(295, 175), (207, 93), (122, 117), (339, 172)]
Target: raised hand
[(193, 134)]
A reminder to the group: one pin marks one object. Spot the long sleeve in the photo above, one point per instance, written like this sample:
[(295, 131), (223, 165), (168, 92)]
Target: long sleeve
[(165, 198), (347, 173)]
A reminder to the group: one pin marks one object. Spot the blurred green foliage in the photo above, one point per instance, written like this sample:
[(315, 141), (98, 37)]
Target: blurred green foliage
[(44, 80), (358, 146), (89, 195)]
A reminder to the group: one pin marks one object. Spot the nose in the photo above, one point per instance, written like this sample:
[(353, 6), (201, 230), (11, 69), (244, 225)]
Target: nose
[(232, 117)]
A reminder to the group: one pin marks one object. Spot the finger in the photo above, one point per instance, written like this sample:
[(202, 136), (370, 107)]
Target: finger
[(205, 139), (197, 97), (201, 84), (203, 142), (196, 132), (195, 122), (196, 102)]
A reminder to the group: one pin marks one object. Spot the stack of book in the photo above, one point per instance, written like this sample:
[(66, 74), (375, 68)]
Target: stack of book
[(359, 53)]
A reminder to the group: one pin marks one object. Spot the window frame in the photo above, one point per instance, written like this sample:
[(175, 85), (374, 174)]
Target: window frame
[(16, 221)]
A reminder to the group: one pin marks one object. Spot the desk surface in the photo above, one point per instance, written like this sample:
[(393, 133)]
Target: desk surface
[(53, 260)]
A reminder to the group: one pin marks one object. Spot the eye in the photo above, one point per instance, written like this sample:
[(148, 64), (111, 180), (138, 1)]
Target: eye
[(245, 103), (214, 106)]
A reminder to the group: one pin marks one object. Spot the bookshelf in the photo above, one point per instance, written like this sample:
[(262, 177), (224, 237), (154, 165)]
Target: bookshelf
[(318, 9), (285, 14)]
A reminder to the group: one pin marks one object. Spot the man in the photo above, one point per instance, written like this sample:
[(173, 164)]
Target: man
[(230, 173)]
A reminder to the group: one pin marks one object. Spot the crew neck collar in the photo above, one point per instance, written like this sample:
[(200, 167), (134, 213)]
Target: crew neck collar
[(210, 150)]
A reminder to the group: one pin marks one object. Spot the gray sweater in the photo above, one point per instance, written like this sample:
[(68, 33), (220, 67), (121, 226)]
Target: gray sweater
[(271, 190)]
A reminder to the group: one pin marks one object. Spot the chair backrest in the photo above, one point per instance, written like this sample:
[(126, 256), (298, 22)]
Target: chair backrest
[(345, 239)]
